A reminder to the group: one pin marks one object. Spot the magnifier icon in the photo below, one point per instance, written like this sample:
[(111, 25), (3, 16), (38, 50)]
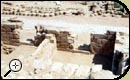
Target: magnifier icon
[(15, 65)]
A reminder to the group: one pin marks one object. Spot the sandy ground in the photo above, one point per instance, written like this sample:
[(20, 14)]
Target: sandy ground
[(22, 52), (19, 52), (109, 21), (75, 58), (27, 36)]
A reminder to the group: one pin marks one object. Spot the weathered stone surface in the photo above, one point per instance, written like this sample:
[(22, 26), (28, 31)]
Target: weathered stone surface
[(96, 68), (68, 69), (82, 71), (56, 67), (103, 74)]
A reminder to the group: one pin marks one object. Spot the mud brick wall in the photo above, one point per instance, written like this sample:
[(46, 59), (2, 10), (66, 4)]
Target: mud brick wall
[(103, 44), (10, 35), (62, 40)]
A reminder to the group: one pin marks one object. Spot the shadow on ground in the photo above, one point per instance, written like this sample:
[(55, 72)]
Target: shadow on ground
[(106, 61), (30, 40), (84, 47)]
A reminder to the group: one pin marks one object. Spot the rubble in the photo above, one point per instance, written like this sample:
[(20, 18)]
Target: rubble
[(99, 8), (7, 49), (106, 9)]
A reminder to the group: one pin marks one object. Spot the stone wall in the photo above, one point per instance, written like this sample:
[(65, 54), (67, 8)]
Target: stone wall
[(42, 57), (62, 40), (103, 44), (10, 35)]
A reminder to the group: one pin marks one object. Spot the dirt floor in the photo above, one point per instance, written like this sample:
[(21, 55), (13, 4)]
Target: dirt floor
[(20, 52), (75, 58)]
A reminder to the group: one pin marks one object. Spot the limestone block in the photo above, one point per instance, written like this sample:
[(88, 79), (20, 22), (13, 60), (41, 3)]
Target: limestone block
[(102, 75), (96, 68), (82, 71), (68, 69), (56, 67)]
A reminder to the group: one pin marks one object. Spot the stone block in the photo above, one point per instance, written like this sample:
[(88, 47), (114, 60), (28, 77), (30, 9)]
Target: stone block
[(96, 68)]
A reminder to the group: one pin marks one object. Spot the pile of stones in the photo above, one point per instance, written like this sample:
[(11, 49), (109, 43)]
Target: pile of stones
[(40, 11), (101, 8), (96, 8)]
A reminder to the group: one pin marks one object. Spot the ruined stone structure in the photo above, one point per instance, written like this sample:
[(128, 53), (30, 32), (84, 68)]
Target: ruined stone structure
[(104, 9), (40, 11), (63, 41), (10, 34), (103, 44), (110, 5), (98, 8), (103, 48)]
